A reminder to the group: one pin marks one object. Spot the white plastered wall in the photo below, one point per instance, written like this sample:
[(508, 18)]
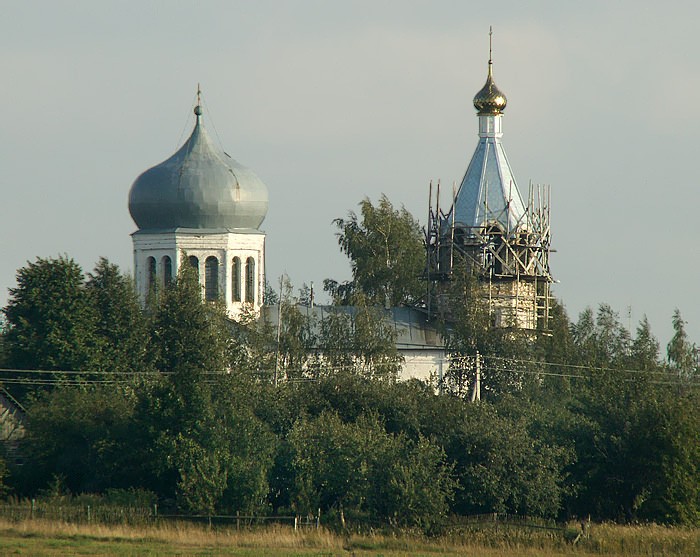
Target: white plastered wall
[(178, 245)]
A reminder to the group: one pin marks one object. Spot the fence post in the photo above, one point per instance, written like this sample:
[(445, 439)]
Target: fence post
[(33, 508), (155, 512), (296, 521), (88, 514), (318, 519), (238, 520)]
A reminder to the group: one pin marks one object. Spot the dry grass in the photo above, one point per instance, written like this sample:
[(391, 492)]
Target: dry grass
[(40, 538)]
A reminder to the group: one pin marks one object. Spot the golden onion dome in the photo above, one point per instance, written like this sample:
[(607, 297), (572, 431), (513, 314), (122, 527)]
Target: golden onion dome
[(490, 99)]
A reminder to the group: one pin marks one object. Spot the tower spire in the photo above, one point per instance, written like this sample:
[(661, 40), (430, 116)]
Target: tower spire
[(198, 108), (490, 100)]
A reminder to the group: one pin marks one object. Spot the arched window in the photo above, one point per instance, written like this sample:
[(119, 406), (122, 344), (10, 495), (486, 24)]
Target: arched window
[(236, 279), (194, 263), (166, 267), (150, 273), (250, 280), (211, 278)]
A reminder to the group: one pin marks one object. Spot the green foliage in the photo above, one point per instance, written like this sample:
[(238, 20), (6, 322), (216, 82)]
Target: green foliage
[(355, 339), (601, 341), (682, 354), (385, 247), (358, 340), (362, 470), (121, 323), (587, 420), (500, 465), (644, 352), (78, 434), (4, 477), (189, 336), (51, 323), (202, 474), (413, 484), (630, 420), (667, 444), (296, 337), (634, 448), (57, 321), (270, 296), (468, 331), (200, 445), (247, 442)]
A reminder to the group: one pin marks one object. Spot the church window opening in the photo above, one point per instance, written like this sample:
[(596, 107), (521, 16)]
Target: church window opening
[(236, 284), (250, 280), (151, 270), (194, 263), (166, 265), (211, 278)]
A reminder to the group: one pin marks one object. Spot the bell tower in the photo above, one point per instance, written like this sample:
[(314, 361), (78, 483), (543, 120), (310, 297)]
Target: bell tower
[(201, 208), (490, 230)]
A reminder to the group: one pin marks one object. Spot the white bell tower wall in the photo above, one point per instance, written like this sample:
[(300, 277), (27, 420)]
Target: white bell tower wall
[(230, 264)]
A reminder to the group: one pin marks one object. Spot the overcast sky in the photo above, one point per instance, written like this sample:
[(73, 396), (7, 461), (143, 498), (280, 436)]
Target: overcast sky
[(330, 102)]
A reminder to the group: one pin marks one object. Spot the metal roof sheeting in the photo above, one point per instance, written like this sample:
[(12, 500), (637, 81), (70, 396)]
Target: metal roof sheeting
[(200, 186), (488, 191), (413, 331)]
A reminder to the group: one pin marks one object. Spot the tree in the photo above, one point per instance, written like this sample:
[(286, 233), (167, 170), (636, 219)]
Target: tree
[(81, 434), (249, 445), (190, 336), (121, 324), (51, 323), (181, 448), (468, 330), (359, 469), (359, 340), (680, 351), (601, 341), (666, 444), (411, 483), (637, 449), (644, 354), (296, 339), (386, 252), (501, 467)]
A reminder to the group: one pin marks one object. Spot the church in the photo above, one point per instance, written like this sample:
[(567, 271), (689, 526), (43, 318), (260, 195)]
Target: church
[(202, 205)]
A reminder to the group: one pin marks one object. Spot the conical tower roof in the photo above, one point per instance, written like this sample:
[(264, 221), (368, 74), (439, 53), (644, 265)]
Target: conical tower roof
[(488, 192)]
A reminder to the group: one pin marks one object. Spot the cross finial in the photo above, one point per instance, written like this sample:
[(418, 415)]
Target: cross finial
[(198, 108), (490, 41)]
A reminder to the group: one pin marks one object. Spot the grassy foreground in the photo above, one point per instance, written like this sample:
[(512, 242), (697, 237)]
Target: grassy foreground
[(52, 538)]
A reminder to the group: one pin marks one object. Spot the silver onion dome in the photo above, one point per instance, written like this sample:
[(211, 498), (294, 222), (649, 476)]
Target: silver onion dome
[(200, 186)]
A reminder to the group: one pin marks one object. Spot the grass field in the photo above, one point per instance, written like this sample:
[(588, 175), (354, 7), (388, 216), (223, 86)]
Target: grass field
[(43, 538)]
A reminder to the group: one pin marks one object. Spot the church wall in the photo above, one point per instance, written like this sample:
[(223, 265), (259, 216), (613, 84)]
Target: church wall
[(423, 364)]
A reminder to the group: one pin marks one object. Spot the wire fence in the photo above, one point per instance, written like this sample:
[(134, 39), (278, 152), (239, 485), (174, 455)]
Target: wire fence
[(490, 526), (142, 516)]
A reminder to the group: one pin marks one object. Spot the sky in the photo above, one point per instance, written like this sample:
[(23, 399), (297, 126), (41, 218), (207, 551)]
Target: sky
[(330, 102)]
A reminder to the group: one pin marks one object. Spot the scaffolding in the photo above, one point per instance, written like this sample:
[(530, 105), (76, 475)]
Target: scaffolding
[(510, 258)]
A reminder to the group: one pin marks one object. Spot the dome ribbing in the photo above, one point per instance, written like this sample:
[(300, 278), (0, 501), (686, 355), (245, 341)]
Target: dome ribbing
[(490, 99), (200, 186)]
